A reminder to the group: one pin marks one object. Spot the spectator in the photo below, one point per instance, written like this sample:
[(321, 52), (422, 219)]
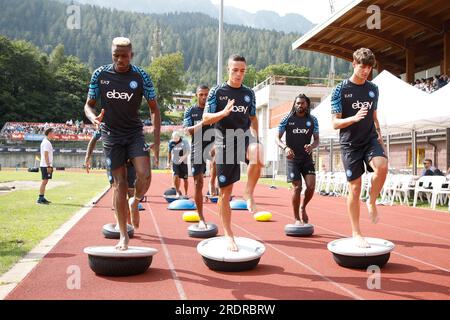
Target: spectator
[(429, 169)]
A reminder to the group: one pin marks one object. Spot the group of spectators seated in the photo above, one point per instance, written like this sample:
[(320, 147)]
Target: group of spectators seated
[(432, 84), (70, 127)]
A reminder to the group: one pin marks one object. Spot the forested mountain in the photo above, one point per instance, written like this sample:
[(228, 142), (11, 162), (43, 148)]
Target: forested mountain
[(44, 23), (262, 19)]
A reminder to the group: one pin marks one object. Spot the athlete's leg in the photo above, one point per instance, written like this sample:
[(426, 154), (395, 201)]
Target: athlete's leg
[(354, 210), (143, 180), (186, 186), (120, 205), (310, 181), (380, 169), (176, 183), (225, 215), (296, 195), (198, 197), (255, 155)]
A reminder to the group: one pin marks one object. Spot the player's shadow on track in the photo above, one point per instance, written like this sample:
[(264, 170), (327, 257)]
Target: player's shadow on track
[(391, 285), (153, 239), (150, 276), (247, 289)]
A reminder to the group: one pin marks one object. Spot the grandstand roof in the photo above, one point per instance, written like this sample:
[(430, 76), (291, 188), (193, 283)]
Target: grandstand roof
[(416, 27)]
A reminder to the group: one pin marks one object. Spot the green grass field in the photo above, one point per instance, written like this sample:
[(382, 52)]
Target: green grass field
[(23, 223)]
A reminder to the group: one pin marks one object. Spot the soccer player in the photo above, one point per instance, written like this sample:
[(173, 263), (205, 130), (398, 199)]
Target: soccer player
[(354, 108), (120, 87)]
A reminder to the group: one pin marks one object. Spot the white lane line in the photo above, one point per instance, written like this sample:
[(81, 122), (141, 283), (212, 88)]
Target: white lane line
[(354, 295), (393, 252), (178, 284)]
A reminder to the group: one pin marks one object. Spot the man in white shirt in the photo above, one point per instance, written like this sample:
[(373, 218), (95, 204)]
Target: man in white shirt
[(46, 164)]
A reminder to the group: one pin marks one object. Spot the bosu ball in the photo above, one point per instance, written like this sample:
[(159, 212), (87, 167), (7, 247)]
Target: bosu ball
[(182, 204), (299, 230), (217, 257), (210, 231), (238, 204), (347, 254), (111, 231), (211, 198), (170, 195), (108, 261), (170, 192)]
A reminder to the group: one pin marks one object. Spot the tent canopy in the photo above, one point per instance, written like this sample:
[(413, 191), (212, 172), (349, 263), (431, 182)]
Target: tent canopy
[(401, 107)]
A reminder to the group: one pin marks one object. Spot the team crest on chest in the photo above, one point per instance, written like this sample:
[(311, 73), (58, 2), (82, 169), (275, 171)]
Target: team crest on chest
[(133, 85)]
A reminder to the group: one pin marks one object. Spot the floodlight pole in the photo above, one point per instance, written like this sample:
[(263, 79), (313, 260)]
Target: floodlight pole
[(220, 46)]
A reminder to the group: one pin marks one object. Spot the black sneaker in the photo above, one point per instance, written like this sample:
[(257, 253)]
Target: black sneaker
[(41, 201), (46, 201)]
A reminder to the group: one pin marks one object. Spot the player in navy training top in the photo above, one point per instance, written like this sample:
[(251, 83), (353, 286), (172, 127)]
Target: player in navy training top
[(177, 156), (202, 143), (231, 108), (119, 87), (300, 126), (354, 109)]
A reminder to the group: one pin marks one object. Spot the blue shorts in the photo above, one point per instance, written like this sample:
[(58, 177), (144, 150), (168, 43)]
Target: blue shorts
[(131, 176), (296, 168), (180, 170), (229, 170), (45, 174), (119, 150), (356, 160)]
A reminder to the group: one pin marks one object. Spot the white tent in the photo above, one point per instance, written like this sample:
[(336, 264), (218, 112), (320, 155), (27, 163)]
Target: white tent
[(401, 108), (439, 109)]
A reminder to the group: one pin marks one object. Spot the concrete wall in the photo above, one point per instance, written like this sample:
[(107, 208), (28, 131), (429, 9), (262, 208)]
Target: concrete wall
[(26, 160)]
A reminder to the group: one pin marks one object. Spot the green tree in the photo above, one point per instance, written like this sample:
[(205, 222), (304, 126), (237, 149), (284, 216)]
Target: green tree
[(286, 69), (57, 57), (167, 73)]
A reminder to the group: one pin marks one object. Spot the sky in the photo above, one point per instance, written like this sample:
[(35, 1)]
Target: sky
[(316, 11)]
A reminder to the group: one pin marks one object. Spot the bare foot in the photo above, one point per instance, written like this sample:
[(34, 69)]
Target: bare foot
[(360, 241), (201, 225), (232, 246), (134, 210), (123, 243), (305, 217), (299, 223), (373, 212), (251, 204)]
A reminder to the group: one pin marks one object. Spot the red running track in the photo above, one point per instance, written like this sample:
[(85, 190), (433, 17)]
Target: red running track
[(291, 268)]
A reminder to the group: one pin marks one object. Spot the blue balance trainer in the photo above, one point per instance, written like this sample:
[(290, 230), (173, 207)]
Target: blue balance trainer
[(238, 204), (182, 204)]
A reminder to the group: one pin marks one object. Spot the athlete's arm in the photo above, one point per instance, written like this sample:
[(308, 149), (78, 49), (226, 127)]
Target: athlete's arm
[(47, 160), (89, 111), (279, 141), (309, 147), (289, 152), (339, 123), (90, 149), (156, 121), (169, 155), (211, 118), (378, 129), (254, 126)]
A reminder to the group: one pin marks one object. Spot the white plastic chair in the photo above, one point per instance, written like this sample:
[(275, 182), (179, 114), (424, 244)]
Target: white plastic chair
[(429, 185)]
